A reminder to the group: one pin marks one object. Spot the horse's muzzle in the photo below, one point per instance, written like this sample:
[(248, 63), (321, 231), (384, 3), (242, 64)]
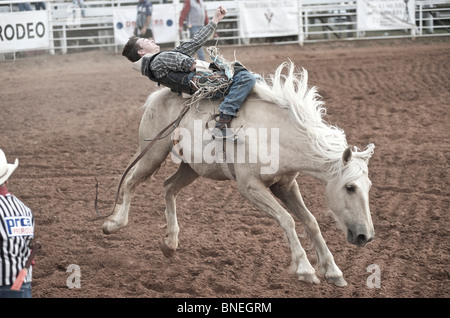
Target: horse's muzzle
[(359, 239)]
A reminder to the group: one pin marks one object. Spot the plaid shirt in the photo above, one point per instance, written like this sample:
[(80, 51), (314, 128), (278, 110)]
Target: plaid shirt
[(179, 59)]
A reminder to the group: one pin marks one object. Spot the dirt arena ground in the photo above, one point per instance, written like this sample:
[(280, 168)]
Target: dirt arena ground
[(73, 118)]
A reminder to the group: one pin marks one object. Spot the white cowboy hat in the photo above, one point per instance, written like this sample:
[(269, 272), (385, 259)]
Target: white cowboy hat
[(6, 169)]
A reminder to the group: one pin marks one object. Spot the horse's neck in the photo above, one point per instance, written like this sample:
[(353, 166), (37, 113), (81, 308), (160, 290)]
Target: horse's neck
[(300, 161)]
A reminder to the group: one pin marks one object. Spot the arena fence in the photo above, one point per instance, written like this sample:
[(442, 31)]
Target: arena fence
[(72, 27)]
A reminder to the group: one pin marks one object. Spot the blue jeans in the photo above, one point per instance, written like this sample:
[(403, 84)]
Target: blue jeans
[(24, 292), (242, 85), (192, 31)]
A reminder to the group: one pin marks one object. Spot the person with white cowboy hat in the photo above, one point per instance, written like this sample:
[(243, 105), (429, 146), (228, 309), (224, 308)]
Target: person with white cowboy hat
[(6, 169), (16, 234)]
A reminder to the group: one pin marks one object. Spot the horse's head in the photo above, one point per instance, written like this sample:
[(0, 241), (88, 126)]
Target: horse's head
[(347, 196)]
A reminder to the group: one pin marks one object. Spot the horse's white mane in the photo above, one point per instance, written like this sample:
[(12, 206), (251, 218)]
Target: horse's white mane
[(291, 92)]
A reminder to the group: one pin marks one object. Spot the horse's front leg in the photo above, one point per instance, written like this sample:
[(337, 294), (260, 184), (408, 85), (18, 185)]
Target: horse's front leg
[(289, 193), (172, 185), (257, 193)]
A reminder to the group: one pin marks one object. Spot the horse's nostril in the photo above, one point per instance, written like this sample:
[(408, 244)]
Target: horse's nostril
[(361, 239)]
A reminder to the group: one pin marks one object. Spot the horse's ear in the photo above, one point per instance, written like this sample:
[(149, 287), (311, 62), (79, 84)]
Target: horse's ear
[(347, 156)]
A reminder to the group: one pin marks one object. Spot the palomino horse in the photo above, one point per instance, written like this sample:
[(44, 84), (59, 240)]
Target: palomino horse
[(285, 117)]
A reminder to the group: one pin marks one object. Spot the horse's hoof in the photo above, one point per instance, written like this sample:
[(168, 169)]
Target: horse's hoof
[(106, 228), (338, 281), (167, 252), (309, 278), (110, 227)]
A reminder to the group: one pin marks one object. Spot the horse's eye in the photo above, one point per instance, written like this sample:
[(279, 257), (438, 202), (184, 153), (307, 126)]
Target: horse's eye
[(350, 188)]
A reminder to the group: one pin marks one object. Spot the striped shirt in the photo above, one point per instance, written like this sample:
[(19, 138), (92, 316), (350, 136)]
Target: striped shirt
[(16, 233), (180, 59)]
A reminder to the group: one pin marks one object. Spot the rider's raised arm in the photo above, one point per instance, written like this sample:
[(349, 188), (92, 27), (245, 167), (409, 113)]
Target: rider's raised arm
[(200, 38)]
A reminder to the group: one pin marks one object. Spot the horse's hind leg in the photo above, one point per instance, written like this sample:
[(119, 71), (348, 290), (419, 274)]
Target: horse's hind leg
[(139, 173), (172, 185)]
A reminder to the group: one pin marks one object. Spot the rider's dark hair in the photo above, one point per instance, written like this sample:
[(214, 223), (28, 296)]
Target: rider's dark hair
[(130, 50)]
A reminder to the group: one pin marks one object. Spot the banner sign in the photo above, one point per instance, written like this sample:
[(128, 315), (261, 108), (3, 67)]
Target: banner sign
[(24, 31), (164, 26), (266, 18), (385, 14)]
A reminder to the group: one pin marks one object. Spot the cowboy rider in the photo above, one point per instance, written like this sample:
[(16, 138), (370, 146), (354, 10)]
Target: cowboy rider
[(175, 69)]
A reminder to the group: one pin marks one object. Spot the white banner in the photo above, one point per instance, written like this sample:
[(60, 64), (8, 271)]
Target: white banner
[(265, 18), (124, 21), (164, 26), (385, 14), (24, 31)]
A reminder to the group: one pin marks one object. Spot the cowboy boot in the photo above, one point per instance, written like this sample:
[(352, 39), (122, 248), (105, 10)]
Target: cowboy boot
[(221, 125)]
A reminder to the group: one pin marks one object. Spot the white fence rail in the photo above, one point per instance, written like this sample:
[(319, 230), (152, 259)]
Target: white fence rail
[(75, 28)]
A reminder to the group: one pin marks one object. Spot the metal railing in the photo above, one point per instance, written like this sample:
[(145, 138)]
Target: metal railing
[(91, 27), (333, 20)]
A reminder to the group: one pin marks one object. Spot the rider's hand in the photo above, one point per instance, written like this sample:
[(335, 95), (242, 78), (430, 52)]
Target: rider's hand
[(219, 14)]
